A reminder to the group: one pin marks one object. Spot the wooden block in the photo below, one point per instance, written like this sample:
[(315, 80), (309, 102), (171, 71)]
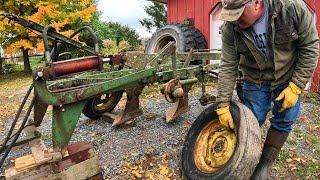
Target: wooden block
[(24, 162), (96, 177), (81, 163), (32, 173), (38, 150), (72, 160), (80, 171)]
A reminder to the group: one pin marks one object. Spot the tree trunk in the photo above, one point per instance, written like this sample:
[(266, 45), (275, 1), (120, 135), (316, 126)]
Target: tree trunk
[(26, 61), (1, 69)]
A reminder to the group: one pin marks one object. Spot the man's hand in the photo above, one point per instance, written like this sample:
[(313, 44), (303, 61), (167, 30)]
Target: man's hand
[(290, 95), (225, 117)]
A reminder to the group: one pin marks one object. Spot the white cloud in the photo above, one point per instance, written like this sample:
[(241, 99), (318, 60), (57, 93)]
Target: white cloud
[(143, 32), (127, 12)]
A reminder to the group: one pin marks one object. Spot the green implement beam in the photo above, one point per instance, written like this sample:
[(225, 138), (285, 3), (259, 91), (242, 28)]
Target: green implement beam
[(92, 90), (64, 121)]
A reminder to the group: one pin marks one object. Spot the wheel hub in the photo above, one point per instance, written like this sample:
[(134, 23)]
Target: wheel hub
[(105, 101), (214, 147)]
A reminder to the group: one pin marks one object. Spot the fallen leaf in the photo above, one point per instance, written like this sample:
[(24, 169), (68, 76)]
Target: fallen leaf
[(134, 154), (138, 175), (303, 162), (93, 134), (163, 170), (291, 149)]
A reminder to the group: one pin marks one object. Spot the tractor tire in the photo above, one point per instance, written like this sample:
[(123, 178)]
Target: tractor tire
[(99, 105), (185, 37), (239, 90), (213, 152), (199, 38)]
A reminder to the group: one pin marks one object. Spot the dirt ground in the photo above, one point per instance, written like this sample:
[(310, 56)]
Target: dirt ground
[(299, 158)]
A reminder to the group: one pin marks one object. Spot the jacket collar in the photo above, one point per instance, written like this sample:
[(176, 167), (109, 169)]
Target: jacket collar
[(275, 7)]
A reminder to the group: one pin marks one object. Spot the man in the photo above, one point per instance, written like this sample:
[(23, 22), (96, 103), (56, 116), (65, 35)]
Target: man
[(275, 43)]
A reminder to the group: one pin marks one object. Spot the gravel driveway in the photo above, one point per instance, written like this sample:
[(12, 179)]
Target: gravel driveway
[(148, 147)]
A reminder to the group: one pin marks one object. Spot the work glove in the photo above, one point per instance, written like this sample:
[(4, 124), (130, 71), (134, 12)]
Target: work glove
[(225, 117), (290, 95)]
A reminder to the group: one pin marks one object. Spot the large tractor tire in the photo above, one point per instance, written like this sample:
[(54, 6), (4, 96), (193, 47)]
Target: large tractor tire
[(185, 37), (213, 152), (99, 105)]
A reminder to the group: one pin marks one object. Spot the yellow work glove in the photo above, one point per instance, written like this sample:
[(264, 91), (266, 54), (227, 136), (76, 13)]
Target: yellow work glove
[(225, 117), (290, 95)]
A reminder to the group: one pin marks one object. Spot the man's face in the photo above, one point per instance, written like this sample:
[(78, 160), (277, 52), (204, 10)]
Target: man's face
[(248, 17), (251, 14)]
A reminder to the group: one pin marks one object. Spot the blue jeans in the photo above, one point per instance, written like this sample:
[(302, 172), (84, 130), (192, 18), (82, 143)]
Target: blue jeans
[(258, 98)]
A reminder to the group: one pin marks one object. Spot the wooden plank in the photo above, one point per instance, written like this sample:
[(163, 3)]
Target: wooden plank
[(82, 163), (29, 174), (39, 156), (72, 160), (38, 150), (80, 171), (24, 162)]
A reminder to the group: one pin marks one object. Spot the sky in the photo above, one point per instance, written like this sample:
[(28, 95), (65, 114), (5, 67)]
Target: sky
[(127, 12)]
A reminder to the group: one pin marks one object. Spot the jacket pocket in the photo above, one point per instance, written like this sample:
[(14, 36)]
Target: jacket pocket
[(284, 39)]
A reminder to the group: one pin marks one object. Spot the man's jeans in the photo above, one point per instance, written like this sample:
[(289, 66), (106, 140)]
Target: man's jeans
[(258, 98)]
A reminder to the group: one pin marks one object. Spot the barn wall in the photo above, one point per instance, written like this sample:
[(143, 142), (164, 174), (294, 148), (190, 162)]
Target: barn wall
[(178, 10), (315, 6)]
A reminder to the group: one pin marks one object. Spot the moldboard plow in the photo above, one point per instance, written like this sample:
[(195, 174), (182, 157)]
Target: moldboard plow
[(93, 85)]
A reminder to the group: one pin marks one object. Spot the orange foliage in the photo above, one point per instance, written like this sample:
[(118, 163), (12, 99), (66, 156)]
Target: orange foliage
[(22, 44), (57, 13), (86, 14), (40, 47)]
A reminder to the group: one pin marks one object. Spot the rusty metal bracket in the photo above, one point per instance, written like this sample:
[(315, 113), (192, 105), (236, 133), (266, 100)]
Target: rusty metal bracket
[(179, 107), (163, 56), (187, 62), (132, 108)]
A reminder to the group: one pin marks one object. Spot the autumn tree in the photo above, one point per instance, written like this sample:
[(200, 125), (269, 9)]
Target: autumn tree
[(63, 15), (157, 16)]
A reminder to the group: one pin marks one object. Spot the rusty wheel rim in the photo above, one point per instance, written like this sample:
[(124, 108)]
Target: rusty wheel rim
[(214, 147), (105, 101)]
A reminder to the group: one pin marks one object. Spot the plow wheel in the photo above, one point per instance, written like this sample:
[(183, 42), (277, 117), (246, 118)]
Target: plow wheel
[(213, 152), (97, 106)]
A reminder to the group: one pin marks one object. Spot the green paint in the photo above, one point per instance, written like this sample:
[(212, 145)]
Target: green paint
[(64, 121)]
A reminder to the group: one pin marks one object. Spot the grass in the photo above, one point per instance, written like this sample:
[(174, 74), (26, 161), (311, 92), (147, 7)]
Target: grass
[(312, 97), (34, 62), (312, 139), (292, 141), (307, 171), (282, 157)]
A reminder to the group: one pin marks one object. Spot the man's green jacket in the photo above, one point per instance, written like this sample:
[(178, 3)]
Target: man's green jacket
[(293, 44)]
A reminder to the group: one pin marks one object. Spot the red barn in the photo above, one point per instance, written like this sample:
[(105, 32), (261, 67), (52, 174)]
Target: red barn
[(204, 15)]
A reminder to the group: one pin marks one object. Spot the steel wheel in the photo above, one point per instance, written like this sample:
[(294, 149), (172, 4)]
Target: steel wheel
[(212, 152), (97, 106), (214, 147)]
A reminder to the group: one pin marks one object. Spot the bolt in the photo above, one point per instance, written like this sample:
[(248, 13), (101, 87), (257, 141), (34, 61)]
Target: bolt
[(62, 99), (40, 74)]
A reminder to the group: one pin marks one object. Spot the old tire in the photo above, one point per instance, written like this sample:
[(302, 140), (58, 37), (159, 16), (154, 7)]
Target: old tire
[(239, 90), (99, 105), (185, 37), (244, 156)]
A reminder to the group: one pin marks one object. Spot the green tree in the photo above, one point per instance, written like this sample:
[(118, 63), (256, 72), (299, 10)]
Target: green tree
[(63, 15), (113, 31), (158, 16)]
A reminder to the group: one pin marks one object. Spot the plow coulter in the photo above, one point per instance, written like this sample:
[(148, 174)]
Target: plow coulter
[(93, 85)]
